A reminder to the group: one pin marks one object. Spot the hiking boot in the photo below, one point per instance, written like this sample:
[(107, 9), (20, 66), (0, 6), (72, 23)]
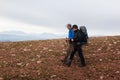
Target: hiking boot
[(64, 60), (69, 63), (82, 65)]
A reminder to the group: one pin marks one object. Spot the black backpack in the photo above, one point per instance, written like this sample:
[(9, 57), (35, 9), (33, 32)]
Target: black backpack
[(84, 34)]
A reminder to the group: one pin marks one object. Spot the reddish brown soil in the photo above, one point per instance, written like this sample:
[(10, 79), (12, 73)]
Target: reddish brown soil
[(41, 60)]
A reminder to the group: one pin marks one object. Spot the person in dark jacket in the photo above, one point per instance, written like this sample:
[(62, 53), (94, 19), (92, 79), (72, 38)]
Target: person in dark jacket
[(69, 42), (77, 46)]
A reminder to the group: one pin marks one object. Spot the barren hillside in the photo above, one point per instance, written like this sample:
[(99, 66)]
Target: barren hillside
[(41, 60)]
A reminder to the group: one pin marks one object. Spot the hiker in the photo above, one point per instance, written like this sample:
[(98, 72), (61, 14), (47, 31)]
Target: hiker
[(77, 46), (69, 42)]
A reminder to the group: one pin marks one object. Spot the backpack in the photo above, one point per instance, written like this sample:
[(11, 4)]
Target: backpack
[(84, 34)]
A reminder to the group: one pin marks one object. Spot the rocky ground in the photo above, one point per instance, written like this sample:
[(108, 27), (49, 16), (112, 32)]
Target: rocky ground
[(41, 60)]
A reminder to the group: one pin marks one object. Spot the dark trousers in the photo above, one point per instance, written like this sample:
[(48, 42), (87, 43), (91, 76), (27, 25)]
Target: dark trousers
[(79, 49)]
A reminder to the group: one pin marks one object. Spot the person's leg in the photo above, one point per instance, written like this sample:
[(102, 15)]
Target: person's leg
[(77, 56), (68, 53), (79, 49), (69, 50), (71, 56)]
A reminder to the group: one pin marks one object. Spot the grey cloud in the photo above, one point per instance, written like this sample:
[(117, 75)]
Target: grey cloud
[(99, 15)]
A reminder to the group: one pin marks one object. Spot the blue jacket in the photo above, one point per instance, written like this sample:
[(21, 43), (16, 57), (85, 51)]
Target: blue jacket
[(71, 34)]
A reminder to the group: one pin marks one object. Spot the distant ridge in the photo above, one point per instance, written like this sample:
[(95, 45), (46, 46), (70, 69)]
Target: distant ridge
[(21, 36)]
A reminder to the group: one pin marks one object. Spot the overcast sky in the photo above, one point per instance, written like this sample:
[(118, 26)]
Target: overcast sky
[(101, 17)]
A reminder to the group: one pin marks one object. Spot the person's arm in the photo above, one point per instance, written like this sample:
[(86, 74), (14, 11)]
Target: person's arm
[(69, 35), (77, 37), (72, 34)]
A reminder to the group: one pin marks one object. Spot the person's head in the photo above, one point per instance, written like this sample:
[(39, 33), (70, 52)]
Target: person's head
[(75, 27), (69, 26)]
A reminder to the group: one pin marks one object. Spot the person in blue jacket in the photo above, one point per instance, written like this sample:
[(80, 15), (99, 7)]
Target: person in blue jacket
[(69, 40), (70, 33)]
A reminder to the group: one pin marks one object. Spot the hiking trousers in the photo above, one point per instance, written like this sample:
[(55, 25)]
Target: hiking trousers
[(80, 53), (69, 50)]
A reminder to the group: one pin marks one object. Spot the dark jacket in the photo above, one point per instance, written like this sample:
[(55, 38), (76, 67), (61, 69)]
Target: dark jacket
[(77, 37)]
